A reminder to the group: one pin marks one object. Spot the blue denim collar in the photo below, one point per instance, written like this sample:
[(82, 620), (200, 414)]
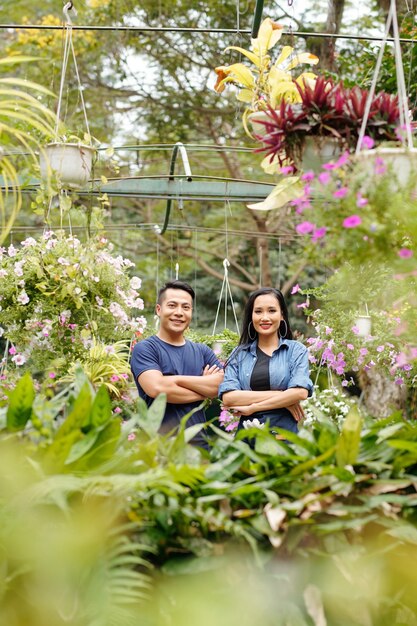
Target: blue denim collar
[(283, 343)]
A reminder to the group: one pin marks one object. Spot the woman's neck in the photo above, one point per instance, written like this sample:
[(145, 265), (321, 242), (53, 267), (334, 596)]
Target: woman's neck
[(268, 344)]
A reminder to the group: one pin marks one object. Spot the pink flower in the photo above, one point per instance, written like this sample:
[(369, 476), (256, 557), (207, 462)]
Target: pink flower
[(355, 330), (304, 228), (328, 330), (12, 350), (360, 200), (131, 436), (117, 410), (295, 289), (380, 167), (352, 221), (308, 176), (288, 169), (340, 193), (367, 143), (399, 381), (350, 346), (405, 253), (303, 305), (345, 383), (52, 375), (324, 178), (363, 351), (318, 233), (19, 359), (114, 378)]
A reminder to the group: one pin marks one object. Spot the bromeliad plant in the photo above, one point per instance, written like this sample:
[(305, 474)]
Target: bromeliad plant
[(327, 110), (58, 296), (269, 82)]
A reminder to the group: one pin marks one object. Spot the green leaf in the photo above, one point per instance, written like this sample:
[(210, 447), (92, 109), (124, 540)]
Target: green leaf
[(347, 447), (82, 446), (79, 415), (151, 420), (101, 409), (20, 403)]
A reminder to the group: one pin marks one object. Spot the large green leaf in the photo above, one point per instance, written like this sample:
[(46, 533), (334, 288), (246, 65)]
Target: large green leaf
[(82, 446), (151, 420), (79, 415), (101, 410), (20, 403), (347, 447)]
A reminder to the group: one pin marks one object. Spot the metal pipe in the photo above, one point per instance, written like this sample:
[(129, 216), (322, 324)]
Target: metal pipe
[(178, 146), (257, 18)]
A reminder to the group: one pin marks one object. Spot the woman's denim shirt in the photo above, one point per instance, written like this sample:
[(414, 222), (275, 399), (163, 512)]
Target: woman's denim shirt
[(288, 367)]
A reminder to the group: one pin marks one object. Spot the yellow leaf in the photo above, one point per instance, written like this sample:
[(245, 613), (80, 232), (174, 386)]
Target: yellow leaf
[(270, 167), (245, 95), (305, 57), (285, 53), (240, 74), (286, 190), (268, 35), (103, 179), (250, 55)]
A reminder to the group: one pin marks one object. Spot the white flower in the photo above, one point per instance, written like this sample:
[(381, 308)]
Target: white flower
[(99, 301), (135, 282), (63, 261), (23, 297), (77, 291), (48, 234), (1, 331), (51, 243), (3, 273), (255, 423), (19, 359), (11, 251), (29, 242), (18, 268)]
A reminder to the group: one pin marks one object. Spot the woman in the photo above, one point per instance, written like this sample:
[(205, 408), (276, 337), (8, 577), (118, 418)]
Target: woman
[(267, 376)]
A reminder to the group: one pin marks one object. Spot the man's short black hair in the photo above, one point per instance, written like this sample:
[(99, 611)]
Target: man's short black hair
[(175, 284)]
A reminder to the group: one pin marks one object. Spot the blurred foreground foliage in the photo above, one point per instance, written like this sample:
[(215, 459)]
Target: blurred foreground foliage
[(105, 522)]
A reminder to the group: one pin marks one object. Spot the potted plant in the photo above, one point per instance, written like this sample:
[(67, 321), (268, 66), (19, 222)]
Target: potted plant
[(70, 160), (330, 115), (267, 82)]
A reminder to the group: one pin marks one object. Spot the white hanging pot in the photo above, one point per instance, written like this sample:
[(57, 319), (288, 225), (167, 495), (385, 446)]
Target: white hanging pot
[(319, 150), (400, 162), (364, 325), (70, 162)]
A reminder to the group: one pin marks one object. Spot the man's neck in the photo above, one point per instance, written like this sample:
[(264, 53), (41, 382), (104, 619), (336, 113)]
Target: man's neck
[(175, 339)]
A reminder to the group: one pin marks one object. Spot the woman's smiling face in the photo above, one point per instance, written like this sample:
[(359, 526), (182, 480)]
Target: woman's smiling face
[(266, 315)]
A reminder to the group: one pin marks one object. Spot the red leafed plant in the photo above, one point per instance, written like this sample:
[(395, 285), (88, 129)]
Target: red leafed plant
[(327, 109)]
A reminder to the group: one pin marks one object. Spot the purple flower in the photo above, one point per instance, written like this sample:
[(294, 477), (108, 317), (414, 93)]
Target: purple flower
[(308, 176), (288, 169), (352, 221), (340, 193), (117, 410), (52, 375), (355, 330), (367, 143), (324, 178), (295, 289), (380, 167), (318, 233), (399, 381), (360, 200), (350, 346), (380, 348), (363, 351), (304, 228), (345, 383), (405, 253), (303, 305)]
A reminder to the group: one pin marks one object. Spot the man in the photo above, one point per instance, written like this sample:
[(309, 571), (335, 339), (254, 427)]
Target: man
[(169, 363)]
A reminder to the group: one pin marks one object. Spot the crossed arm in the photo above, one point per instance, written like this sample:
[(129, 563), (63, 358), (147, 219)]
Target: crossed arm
[(182, 389), (245, 403)]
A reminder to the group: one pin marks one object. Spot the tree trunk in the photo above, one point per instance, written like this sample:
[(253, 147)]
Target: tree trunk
[(333, 23), (381, 396)]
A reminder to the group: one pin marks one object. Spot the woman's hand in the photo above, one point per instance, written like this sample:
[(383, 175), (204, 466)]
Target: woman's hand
[(243, 410), (296, 411)]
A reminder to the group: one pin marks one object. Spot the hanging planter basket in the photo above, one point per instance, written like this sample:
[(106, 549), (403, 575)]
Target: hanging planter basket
[(71, 162), (401, 162), (319, 150), (364, 325)]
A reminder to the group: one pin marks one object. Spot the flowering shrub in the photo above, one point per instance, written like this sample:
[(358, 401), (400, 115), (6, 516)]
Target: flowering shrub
[(352, 211), (58, 295), (228, 421), (330, 404)]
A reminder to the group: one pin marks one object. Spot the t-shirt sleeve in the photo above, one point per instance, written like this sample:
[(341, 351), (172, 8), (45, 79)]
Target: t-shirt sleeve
[(144, 357), (210, 358), (231, 377), (299, 369)]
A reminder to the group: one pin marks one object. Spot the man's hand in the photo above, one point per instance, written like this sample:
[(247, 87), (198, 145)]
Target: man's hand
[(296, 411), (211, 369), (242, 410)]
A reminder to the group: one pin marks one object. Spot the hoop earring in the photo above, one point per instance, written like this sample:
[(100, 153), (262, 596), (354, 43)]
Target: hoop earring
[(249, 335), (282, 336)]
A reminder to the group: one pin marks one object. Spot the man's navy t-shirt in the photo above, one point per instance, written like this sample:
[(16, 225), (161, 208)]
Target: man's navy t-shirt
[(187, 360)]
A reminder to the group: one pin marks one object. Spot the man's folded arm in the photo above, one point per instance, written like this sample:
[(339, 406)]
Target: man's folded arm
[(153, 382)]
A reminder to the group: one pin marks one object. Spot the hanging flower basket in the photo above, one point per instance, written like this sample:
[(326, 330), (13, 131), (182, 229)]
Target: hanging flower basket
[(319, 150), (364, 325), (401, 161), (70, 162)]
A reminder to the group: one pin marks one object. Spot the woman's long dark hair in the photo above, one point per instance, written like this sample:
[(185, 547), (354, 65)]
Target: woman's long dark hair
[(284, 331)]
